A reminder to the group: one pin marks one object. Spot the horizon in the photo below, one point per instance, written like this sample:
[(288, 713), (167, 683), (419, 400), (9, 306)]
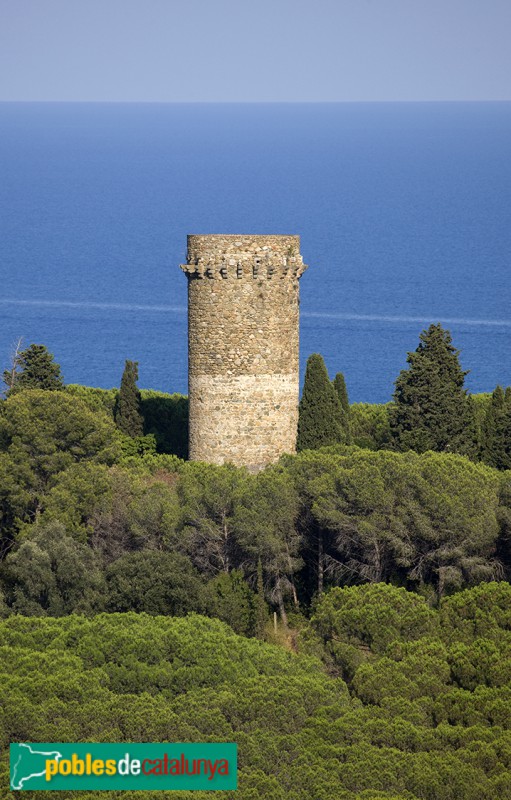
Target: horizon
[(255, 102)]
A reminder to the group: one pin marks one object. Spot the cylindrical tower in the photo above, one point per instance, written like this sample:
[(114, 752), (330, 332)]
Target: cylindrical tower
[(243, 379)]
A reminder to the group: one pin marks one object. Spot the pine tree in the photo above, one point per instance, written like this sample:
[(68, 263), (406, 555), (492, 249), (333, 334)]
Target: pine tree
[(128, 415), (33, 368), (342, 394), (320, 414), (432, 410)]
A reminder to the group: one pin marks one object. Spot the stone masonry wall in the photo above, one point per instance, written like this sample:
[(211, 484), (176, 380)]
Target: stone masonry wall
[(243, 347)]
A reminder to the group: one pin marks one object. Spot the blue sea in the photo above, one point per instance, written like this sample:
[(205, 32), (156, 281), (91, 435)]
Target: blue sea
[(404, 213)]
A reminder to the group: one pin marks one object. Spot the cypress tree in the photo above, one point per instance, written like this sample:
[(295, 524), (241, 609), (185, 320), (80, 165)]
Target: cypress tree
[(496, 444), (507, 428), (128, 415), (432, 410), (342, 394), (320, 413), (33, 368)]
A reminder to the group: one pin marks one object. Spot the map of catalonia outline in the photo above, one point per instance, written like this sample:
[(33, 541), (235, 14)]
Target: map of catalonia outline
[(17, 783)]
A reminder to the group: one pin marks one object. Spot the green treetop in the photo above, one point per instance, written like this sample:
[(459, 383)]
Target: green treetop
[(342, 394), (432, 410), (33, 368), (320, 416), (496, 439), (128, 416)]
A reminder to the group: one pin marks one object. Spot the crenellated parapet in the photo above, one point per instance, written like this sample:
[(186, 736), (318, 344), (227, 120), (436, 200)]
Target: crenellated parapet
[(225, 257)]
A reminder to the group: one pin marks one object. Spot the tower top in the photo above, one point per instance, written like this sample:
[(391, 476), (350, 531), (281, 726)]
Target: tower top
[(242, 255)]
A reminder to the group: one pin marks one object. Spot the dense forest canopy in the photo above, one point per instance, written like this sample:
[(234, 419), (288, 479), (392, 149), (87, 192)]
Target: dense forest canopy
[(344, 614), (72, 492), (388, 697)]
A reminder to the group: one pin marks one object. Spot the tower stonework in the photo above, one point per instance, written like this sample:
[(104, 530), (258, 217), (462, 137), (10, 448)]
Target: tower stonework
[(243, 379)]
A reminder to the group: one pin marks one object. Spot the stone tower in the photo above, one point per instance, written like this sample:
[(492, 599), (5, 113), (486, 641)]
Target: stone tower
[(243, 378)]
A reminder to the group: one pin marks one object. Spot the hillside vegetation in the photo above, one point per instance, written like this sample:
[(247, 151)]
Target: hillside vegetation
[(343, 615), (398, 701)]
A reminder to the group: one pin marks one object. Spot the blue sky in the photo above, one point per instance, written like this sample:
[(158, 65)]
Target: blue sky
[(255, 50)]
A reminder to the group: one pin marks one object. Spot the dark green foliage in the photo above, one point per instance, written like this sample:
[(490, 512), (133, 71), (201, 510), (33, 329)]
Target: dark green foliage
[(357, 621), (504, 512), (155, 583), (435, 522), (427, 714), (496, 431), (456, 523), (230, 519), (99, 400), (15, 501), (415, 669), (166, 416), (139, 512), (75, 495), (86, 527), (4, 608), (425, 519), (42, 434), (483, 612), (480, 404), (342, 394), (128, 416), (260, 607), (265, 529), (231, 600), (50, 432), (137, 446), (320, 414), (208, 497), (33, 368), (432, 410), (370, 425), (373, 616), (52, 574), (305, 470)]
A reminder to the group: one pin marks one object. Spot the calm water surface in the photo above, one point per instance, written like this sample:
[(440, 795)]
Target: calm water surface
[(404, 212)]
